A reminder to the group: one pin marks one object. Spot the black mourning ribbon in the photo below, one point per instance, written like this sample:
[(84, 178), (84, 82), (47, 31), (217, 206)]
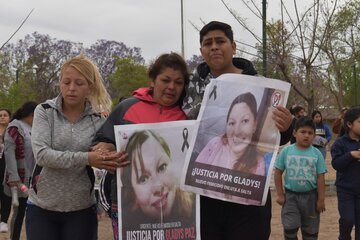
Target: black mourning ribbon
[(185, 137), (213, 92)]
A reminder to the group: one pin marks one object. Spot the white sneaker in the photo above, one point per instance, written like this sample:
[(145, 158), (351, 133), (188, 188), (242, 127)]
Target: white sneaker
[(3, 227)]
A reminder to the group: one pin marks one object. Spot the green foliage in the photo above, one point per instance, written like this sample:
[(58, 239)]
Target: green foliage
[(343, 51), (17, 94), (38, 58), (128, 76)]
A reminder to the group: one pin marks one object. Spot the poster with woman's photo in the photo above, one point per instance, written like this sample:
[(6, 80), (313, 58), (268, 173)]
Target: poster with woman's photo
[(151, 204), (236, 143)]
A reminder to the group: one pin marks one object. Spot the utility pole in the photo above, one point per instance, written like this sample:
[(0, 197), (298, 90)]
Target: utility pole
[(17, 73), (182, 30), (355, 85), (264, 38)]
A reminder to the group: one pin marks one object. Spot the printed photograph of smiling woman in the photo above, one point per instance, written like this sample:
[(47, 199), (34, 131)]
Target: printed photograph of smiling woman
[(236, 139), (151, 199)]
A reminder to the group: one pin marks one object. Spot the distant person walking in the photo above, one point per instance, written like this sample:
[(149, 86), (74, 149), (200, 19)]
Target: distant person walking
[(297, 112), (322, 133), (338, 125), (5, 202), (19, 163)]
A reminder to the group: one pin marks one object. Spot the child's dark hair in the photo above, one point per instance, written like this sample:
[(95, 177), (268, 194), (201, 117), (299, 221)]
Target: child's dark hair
[(215, 25), (350, 116), (304, 122), (26, 109), (296, 109)]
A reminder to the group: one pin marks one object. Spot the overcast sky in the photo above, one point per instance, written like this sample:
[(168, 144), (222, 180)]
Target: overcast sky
[(152, 25)]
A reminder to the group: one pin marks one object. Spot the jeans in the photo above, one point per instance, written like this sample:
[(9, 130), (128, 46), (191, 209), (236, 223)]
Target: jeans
[(349, 211), (42, 224)]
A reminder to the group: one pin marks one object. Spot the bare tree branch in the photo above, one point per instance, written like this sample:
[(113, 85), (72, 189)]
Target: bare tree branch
[(241, 21), (17, 28)]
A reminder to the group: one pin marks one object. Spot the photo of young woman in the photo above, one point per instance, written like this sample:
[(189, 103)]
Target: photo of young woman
[(150, 191), (237, 148), (236, 141)]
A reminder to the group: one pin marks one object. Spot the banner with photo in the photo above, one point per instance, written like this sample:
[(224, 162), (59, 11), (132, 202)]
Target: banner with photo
[(236, 142), (151, 204)]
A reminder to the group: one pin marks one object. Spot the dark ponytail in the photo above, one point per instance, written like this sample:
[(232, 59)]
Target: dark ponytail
[(27, 109)]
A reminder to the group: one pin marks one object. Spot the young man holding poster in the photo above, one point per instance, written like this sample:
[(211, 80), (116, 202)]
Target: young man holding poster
[(221, 219)]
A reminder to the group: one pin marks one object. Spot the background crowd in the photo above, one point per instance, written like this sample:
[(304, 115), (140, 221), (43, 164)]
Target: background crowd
[(49, 151)]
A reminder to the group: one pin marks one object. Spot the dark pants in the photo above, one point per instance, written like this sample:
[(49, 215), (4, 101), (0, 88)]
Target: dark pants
[(231, 221), (299, 211), (5, 206), (4, 200), (17, 219), (43, 224), (349, 211)]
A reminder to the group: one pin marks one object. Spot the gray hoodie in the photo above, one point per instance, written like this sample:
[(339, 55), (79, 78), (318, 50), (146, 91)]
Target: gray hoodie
[(62, 180)]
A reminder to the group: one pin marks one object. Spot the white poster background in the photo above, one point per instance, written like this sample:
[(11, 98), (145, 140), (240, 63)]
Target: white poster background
[(224, 183), (177, 135)]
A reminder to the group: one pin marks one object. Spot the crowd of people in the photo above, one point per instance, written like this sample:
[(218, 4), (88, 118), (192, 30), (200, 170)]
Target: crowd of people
[(48, 153)]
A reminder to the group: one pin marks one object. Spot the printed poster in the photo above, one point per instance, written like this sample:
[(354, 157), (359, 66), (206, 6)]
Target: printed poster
[(234, 147), (151, 204)]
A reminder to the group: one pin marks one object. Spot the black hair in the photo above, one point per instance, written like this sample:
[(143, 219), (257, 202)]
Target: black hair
[(321, 124), (296, 109), (174, 61), (350, 116), (246, 161), (304, 122), (26, 109), (215, 25)]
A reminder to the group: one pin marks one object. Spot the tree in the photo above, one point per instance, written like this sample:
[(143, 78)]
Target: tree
[(343, 53), (30, 67), (105, 53), (305, 32), (128, 76), (34, 64), (194, 61)]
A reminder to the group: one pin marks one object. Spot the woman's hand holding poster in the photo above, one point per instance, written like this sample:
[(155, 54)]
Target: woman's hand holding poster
[(151, 204), (234, 148)]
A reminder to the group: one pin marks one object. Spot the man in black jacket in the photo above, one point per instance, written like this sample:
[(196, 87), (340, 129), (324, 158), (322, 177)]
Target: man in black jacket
[(220, 219)]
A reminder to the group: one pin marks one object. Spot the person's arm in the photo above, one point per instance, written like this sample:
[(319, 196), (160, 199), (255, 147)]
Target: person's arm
[(286, 136), (106, 132), (320, 204), (279, 186), (327, 133), (340, 160), (45, 155), (283, 121), (12, 136)]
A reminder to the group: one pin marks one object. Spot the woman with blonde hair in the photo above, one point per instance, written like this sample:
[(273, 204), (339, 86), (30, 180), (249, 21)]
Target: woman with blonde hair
[(61, 204)]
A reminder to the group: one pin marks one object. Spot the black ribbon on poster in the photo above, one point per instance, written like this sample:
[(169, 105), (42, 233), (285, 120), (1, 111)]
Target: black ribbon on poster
[(185, 137), (213, 92)]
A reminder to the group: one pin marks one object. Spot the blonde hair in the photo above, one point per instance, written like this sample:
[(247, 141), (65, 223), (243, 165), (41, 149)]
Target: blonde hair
[(99, 98)]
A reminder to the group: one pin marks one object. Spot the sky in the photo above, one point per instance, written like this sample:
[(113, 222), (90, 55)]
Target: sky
[(152, 25)]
